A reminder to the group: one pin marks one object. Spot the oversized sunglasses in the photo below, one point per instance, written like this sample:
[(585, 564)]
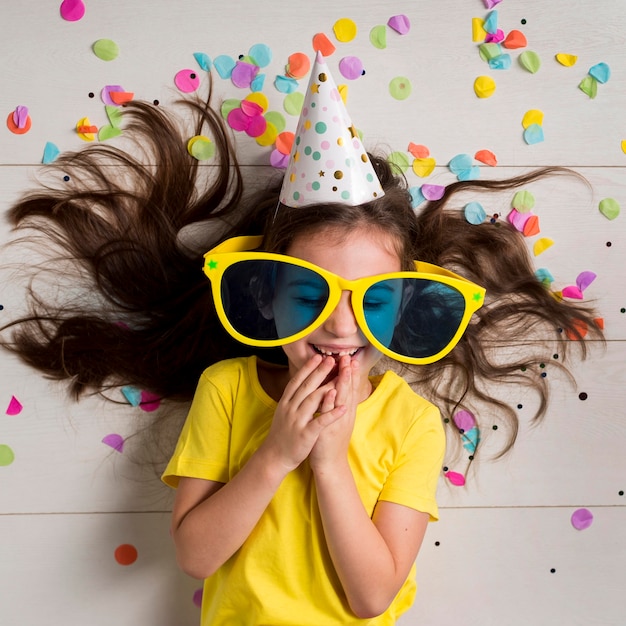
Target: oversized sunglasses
[(266, 299)]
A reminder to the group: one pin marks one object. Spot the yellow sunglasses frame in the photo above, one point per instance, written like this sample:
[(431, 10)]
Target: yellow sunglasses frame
[(231, 251)]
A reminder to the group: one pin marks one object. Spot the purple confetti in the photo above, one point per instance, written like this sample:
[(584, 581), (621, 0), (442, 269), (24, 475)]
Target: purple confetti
[(433, 192), (399, 23), (115, 441), (582, 518)]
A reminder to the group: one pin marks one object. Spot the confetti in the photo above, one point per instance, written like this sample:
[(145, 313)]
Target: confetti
[(541, 245), (567, 60), (203, 60), (400, 88), (224, 65), (72, 10), (114, 441), (424, 167), (533, 116), (50, 152), (293, 103), (491, 22), (125, 554), (533, 134), (261, 54), (433, 192), (378, 37), (284, 84), (298, 65), (458, 480), (85, 130), (345, 30), (609, 207), (514, 40), (18, 121), (474, 213), (399, 23), (487, 157), (589, 86), (582, 519), (523, 201), (352, 68), (478, 29), (321, 43), (399, 160), (106, 49), (201, 148), (15, 407), (484, 86), (501, 62), (243, 74), (601, 72), (530, 61), (6, 455)]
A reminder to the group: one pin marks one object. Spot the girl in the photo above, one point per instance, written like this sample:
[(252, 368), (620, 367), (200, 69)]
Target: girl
[(305, 481)]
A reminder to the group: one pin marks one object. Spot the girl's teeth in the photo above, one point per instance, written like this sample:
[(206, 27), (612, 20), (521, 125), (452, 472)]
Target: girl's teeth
[(336, 354)]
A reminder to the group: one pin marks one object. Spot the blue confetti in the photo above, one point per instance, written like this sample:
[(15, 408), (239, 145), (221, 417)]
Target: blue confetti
[(224, 65), (203, 60), (261, 54), (50, 152), (475, 213)]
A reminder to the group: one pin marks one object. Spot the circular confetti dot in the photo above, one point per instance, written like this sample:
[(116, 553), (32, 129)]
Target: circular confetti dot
[(582, 396), (475, 213), (293, 103), (201, 148), (520, 406), (298, 65), (261, 53), (484, 86), (351, 67), (378, 37), (345, 30), (187, 81), (530, 61), (18, 121), (400, 88), (6, 455), (125, 554), (106, 49), (437, 543), (91, 94), (581, 519), (197, 597), (523, 21), (277, 120), (72, 10), (610, 208), (552, 571)]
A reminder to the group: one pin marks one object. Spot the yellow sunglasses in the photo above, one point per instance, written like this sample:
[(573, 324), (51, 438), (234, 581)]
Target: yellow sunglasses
[(265, 299)]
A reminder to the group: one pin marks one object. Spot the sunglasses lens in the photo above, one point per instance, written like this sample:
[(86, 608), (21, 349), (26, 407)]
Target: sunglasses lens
[(413, 317), (268, 300)]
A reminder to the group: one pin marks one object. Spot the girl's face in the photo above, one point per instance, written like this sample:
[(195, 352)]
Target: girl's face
[(355, 254)]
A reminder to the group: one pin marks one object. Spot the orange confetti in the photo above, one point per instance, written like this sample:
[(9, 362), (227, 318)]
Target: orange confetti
[(531, 226), (284, 142), (579, 330), (87, 129), (121, 97), (418, 151), (515, 39), (125, 554), (321, 43), (14, 128), (298, 65), (487, 157)]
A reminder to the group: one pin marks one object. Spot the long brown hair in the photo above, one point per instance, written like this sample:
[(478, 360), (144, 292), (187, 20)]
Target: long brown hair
[(144, 314)]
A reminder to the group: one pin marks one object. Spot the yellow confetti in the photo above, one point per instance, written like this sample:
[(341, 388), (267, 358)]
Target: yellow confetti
[(541, 245), (534, 116), (345, 30), (82, 124), (624, 145), (484, 86), (258, 98), (343, 92), (478, 29), (566, 59), (269, 136), (424, 167), (201, 148)]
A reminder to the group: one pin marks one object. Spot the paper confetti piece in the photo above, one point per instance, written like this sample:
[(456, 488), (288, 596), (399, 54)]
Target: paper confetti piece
[(7, 455), (478, 29), (243, 74), (584, 279), (523, 201), (533, 134), (378, 37), (496, 37), (574, 293), (531, 226), (224, 65), (201, 148), (514, 40), (491, 22), (298, 65), (321, 43), (132, 395), (544, 276), (518, 219), (293, 103), (121, 97), (19, 121), (125, 554), (609, 207), (187, 81), (400, 160), (541, 245), (488, 51), (352, 68), (85, 130), (501, 62), (418, 151), (50, 152), (601, 72), (106, 92), (582, 519), (149, 401), (255, 104), (108, 131), (533, 116), (579, 330), (268, 136), (589, 86), (567, 60), (475, 213), (261, 54), (433, 192), (72, 10), (484, 86), (345, 30), (487, 157), (530, 61), (623, 144), (279, 160), (284, 142), (106, 49), (114, 441), (458, 480), (400, 87), (277, 120), (417, 197), (114, 115), (424, 167), (203, 60), (284, 84), (399, 23), (460, 163), (15, 407)]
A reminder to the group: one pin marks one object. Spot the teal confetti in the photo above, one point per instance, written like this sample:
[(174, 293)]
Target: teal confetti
[(50, 152), (475, 213), (533, 134), (224, 65), (203, 60)]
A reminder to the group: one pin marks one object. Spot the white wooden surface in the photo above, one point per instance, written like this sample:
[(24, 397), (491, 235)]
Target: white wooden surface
[(67, 501)]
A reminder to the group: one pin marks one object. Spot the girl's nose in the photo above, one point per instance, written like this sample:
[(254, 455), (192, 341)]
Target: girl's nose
[(342, 322)]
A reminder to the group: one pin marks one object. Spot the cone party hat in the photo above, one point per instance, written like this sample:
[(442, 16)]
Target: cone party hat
[(328, 162)]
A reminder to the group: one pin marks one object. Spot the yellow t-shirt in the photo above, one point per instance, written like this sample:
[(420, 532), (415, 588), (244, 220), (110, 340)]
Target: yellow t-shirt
[(283, 574)]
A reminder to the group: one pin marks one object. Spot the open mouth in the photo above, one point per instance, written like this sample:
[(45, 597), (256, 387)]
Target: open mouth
[(336, 354)]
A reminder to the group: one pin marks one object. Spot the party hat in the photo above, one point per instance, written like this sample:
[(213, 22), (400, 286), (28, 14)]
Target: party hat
[(328, 162)]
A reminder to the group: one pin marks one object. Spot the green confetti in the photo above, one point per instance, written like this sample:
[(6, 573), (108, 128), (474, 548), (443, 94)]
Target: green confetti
[(108, 131), (523, 201), (228, 105), (399, 160), (589, 86), (6, 455), (378, 37), (114, 114), (530, 61), (609, 208), (201, 148), (293, 103), (106, 49), (400, 88), (277, 119), (488, 51)]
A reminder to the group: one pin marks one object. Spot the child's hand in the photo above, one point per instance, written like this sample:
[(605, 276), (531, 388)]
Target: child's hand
[(296, 427), (333, 441)]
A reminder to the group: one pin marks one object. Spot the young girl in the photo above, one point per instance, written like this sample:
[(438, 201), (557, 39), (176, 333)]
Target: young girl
[(304, 481)]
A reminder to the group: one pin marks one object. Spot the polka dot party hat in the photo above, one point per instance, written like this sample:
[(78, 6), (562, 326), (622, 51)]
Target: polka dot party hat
[(328, 162)]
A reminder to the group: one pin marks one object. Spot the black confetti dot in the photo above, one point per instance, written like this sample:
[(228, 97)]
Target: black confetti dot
[(471, 457), (156, 103), (445, 468), (544, 374), (555, 356), (582, 395), (437, 543), (542, 365), (523, 21), (192, 76), (66, 178), (608, 244), (520, 406), (495, 427), (621, 493), (1, 307), (446, 420), (553, 571), (622, 310), (91, 94)]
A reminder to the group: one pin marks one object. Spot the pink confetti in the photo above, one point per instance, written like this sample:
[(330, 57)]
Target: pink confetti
[(351, 68), (187, 81), (243, 74), (582, 518), (279, 160), (20, 116), (115, 441), (15, 406), (149, 401), (518, 220), (257, 126), (433, 192), (238, 120), (399, 23), (585, 279), (464, 420), (489, 4), (496, 37), (251, 109), (72, 10), (572, 292), (458, 480), (106, 91)]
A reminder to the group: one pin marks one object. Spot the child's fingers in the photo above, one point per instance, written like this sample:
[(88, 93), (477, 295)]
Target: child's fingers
[(308, 379), (344, 381), (328, 401)]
